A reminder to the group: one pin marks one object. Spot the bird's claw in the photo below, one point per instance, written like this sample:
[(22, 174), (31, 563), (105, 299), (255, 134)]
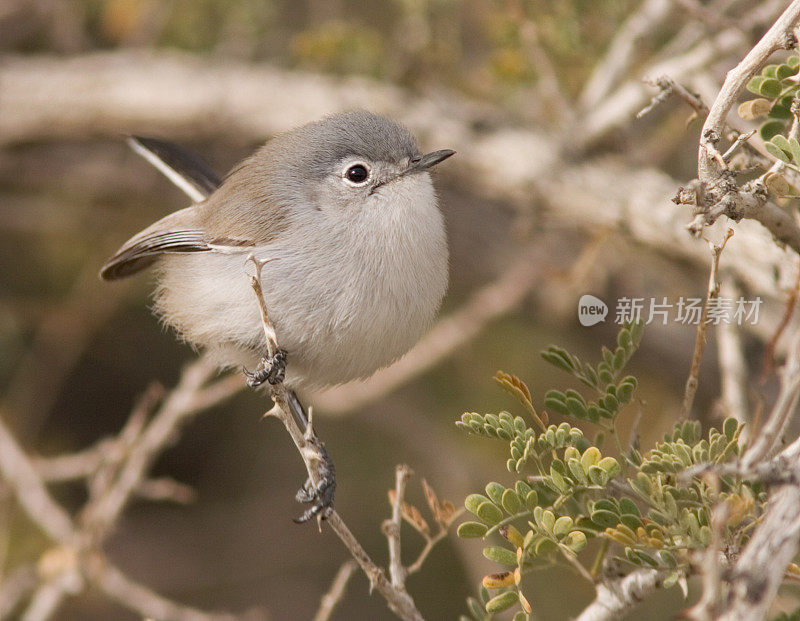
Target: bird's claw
[(321, 494), (270, 369)]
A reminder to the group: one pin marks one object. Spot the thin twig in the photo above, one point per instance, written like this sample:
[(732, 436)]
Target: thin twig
[(48, 597), (30, 490), (114, 450), (66, 568), (430, 544), (667, 86), (577, 565), (144, 601), (104, 510), (700, 339), (738, 142), (400, 602), (335, 593), (391, 528)]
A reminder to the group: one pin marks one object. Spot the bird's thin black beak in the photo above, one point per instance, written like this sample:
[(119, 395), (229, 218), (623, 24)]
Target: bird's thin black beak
[(422, 163)]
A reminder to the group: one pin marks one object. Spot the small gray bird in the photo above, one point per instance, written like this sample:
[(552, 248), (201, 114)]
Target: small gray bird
[(346, 211)]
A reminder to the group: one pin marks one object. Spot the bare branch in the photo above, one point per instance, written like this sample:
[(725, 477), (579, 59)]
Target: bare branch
[(721, 195), (334, 595), (391, 528), (617, 596), (760, 569), (702, 326), (622, 52), (778, 37), (666, 87), (109, 450), (310, 449), (20, 473), (143, 601), (180, 405), (768, 364)]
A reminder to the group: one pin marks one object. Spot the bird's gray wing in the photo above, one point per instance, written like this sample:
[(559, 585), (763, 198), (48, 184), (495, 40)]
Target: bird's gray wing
[(185, 169), (177, 232), (141, 252)]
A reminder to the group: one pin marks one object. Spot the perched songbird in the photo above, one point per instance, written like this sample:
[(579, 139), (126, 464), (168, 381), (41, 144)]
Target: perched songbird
[(345, 210)]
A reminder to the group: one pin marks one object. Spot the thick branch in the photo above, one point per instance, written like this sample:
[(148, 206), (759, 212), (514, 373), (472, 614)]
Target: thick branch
[(717, 192), (761, 568), (616, 597), (778, 37)]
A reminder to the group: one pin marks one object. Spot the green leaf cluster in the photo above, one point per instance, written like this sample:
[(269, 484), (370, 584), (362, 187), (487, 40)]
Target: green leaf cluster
[(612, 392), (644, 506), (485, 606), (777, 86)]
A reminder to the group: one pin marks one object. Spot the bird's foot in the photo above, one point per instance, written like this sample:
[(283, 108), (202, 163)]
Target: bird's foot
[(321, 494), (270, 369)]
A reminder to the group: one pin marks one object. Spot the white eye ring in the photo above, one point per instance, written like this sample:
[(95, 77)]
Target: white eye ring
[(356, 174)]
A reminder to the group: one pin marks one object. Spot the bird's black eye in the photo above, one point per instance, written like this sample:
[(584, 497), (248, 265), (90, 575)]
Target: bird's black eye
[(357, 173)]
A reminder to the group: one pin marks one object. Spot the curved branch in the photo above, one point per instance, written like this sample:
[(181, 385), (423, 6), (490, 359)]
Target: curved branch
[(616, 597)]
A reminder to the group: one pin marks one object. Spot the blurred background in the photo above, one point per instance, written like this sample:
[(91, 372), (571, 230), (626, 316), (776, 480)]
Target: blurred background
[(557, 190)]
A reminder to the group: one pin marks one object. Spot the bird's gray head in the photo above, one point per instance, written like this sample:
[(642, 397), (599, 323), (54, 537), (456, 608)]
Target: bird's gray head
[(346, 161)]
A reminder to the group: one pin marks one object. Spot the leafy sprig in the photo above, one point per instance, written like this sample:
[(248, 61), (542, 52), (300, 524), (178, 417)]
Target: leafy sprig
[(569, 492)]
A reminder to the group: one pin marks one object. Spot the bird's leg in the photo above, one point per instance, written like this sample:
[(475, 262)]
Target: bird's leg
[(321, 494), (270, 369)]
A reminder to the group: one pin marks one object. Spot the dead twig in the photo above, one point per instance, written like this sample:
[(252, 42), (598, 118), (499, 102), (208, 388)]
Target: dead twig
[(391, 528), (336, 592), (700, 339), (668, 87)]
